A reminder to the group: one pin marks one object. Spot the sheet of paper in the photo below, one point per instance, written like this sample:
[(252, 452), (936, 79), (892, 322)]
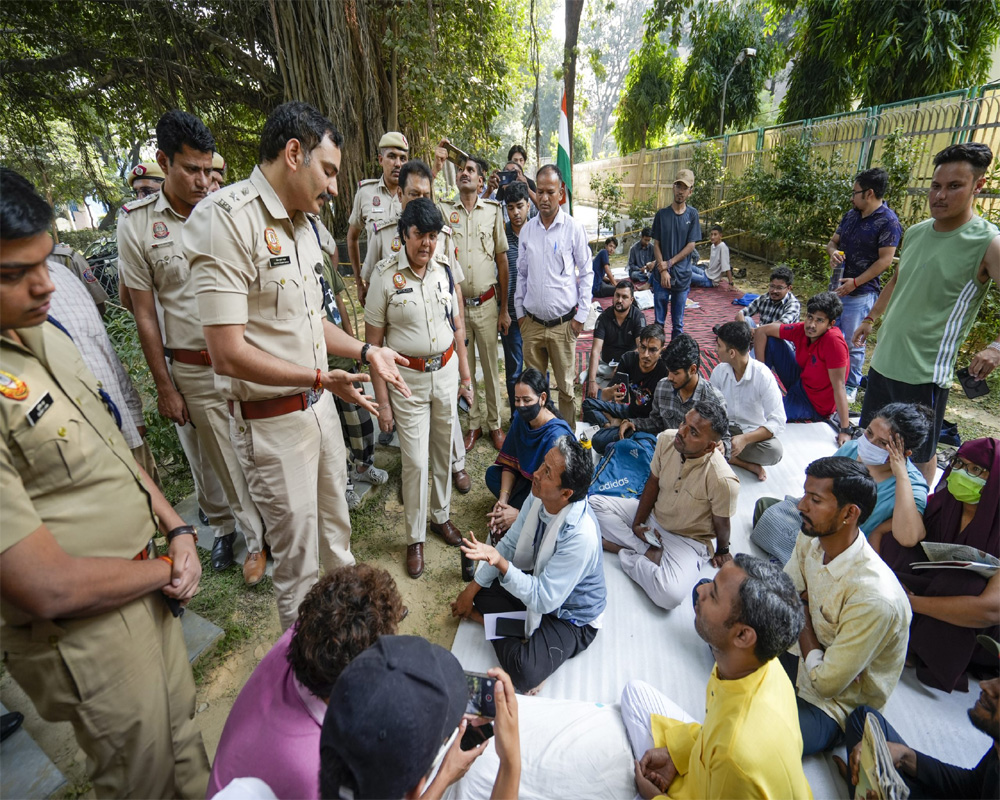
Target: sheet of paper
[(490, 622)]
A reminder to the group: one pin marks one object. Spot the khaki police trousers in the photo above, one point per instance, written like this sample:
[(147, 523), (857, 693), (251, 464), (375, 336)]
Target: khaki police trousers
[(481, 328), (296, 468), (221, 486), (122, 679), (556, 346), (424, 423)]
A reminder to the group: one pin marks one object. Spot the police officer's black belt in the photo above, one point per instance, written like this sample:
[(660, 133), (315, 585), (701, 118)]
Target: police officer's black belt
[(551, 323)]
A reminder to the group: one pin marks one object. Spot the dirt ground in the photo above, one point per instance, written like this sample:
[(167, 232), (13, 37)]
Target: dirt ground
[(378, 537)]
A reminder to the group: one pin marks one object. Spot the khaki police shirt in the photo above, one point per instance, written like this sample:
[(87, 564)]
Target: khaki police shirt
[(374, 201), (78, 265), (413, 311), (383, 241), (253, 265), (63, 461), (151, 258), (479, 237)]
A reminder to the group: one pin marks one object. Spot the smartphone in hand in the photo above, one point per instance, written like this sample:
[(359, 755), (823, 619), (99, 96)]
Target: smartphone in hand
[(973, 386), (482, 702), (475, 736)]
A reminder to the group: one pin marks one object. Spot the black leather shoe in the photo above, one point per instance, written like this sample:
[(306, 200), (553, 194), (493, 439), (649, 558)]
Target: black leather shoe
[(10, 723), (202, 516), (222, 552)]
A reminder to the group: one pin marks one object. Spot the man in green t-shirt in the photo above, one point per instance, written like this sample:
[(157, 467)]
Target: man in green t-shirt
[(932, 300)]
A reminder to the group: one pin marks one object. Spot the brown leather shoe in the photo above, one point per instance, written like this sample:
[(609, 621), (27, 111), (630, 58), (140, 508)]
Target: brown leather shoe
[(472, 437), (461, 481), (497, 438), (415, 559), (254, 567), (447, 531)]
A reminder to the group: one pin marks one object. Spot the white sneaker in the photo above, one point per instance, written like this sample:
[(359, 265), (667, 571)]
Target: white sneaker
[(852, 394), (372, 475), (353, 499)]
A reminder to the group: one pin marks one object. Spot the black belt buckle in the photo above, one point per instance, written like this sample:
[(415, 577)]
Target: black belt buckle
[(434, 363)]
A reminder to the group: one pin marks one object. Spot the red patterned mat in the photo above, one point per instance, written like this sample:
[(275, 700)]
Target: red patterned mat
[(715, 307)]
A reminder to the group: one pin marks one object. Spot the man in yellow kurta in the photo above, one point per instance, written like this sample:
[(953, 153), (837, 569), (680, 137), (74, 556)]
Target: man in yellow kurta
[(749, 745)]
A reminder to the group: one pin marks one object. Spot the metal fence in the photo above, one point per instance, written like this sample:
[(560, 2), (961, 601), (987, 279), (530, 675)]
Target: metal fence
[(858, 137)]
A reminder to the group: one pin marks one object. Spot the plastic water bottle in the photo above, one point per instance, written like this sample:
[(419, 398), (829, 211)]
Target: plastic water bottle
[(837, 274)]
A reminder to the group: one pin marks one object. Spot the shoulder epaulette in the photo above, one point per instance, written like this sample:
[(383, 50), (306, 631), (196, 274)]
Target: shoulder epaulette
[(61, 249), (387, 262), (234, 196), (491, 201), (382, 224), (367, 181), (132, 205)]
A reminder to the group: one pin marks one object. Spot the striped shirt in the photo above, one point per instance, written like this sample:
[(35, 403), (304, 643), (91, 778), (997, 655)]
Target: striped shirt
[(934, 303), (76, 311), (512, 243), (786, 312)]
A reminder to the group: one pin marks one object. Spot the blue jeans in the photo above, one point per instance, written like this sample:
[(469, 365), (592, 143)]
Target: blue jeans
[(819, 730), (513, 362), (593, 409), (782, 360), (700, 278), (675, 300), (855, 310)]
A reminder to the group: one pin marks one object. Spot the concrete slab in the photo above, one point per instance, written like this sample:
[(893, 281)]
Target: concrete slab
[(25, 771), (200, 635)]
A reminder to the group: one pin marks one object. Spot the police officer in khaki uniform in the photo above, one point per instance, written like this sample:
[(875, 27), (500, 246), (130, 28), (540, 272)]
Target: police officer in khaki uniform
[(256, 262), (154, 267), (86, 629), (481, 249), (413, 307), (377, 200), (145, 179), (77, 264), (415, 181)]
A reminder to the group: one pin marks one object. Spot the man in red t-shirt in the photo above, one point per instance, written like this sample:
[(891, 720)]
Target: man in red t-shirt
[(814, 375)]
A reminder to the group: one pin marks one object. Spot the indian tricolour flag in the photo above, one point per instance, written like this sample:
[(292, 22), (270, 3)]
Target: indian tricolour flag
[(563, 160)]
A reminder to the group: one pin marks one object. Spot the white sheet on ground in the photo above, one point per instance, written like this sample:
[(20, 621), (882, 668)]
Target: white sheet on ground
[(639, 640)]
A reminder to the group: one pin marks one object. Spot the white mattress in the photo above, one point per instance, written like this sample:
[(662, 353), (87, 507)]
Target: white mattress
[(641, 641)]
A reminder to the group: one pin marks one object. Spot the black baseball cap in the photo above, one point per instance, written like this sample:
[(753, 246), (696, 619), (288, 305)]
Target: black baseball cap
[(390, 712)]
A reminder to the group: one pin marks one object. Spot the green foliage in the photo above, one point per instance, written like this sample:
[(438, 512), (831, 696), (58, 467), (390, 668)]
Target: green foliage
[(720, 32), (900, 156), (801, 200), (640, 213), (160, 432), (609, 193), (884, 51), (644, 108), (709, 175), (81, 240)]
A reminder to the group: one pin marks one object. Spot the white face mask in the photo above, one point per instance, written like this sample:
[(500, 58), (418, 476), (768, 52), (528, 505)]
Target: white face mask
[(871, 455)]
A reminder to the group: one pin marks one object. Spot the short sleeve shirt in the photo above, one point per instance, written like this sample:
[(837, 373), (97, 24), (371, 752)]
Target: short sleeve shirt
[(862, 237), (374, 202), (618, 339), (479, 237), (152, 258), (691, 491), (413, 311), (63, 461), (673, 232), (601, 260), (254, 265), (641, 385), (828, 352)]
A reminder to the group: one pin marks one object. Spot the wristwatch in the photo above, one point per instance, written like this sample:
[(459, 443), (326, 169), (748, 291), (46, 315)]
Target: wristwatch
[(364, 353), (846, 430), (181, 530), (722, 551)]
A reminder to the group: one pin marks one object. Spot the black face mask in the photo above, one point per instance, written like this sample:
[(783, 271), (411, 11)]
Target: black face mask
[(528, 413)]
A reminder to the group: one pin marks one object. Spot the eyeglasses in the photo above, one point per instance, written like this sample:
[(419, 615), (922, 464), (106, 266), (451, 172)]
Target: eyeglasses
[(858, 191), (777, 287), (974, 470)]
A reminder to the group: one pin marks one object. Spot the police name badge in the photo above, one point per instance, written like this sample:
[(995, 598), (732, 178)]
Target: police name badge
[(395, 244), (160, 230), (398, 280), (39, 409), (273, 245), (11, 387)]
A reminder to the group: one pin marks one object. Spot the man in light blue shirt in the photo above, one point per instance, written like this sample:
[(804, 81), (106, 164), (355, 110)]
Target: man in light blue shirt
[(554, 572), (554, 285)]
